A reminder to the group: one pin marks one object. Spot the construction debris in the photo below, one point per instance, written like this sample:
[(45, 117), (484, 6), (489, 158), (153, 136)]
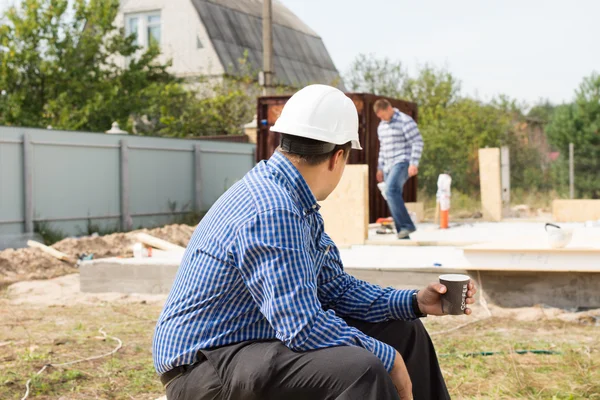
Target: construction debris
[(157, 243), (53, 252), (33, 263)]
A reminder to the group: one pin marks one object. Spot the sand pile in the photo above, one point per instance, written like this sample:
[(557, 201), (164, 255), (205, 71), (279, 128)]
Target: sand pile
[(27, 264)]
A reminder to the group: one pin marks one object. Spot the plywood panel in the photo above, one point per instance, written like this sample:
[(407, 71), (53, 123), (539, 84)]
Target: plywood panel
[(346, 211), (418, 209), (490, 183), (575, 210)]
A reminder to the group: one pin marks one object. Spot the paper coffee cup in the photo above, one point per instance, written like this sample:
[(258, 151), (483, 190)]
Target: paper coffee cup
[(454, 301)]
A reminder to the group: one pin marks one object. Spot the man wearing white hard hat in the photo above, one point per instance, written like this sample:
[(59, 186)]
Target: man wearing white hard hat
[(261, 307)]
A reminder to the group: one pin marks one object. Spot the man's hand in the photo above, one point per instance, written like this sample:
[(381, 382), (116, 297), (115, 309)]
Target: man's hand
[(401, 378), (379, 176), (413, 170), (430, 300)]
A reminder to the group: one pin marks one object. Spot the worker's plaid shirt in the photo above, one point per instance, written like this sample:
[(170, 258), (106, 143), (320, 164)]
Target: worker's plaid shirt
[(259, 266), (399, 141)]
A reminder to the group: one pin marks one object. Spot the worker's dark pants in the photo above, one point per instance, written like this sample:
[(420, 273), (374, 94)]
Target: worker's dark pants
[(269, 370), (395, 180)]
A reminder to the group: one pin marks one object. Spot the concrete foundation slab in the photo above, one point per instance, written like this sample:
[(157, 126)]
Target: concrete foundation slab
[(466, 234), (128, 275), (512, 289), (526, 274)]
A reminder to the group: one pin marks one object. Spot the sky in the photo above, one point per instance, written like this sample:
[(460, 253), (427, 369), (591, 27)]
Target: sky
[(526, 49)]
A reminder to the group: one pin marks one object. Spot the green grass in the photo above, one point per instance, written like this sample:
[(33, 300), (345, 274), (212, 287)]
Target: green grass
[(464, 206), (49, 234), (39, 335)]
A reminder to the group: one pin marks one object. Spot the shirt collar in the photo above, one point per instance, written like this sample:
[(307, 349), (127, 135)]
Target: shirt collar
[(294, 180)]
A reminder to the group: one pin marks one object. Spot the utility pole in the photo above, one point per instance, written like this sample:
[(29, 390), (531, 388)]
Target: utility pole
[(267, 80)]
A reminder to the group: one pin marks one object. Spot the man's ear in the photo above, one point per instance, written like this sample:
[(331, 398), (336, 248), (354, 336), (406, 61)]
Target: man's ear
[(336, 158)]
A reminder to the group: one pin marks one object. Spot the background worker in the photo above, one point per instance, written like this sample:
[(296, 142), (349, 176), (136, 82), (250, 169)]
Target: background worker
[(400, 149), (261, 307)]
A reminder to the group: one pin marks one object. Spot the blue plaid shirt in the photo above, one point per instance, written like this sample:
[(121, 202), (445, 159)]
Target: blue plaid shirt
[(259, 266), (399, 141)]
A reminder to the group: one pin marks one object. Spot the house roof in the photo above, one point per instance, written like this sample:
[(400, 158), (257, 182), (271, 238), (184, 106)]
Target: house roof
[(235, 28)]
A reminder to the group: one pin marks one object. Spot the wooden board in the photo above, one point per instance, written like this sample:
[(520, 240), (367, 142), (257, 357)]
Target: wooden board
[(53, 252), (575, 210), (490, 183), (346, 211), (158, 243), (417, 208)]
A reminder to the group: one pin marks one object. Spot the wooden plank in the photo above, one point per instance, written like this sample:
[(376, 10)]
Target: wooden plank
[(157, 243), (505, 178), (490, 184), (53, 252), (346, 211), (418, 209), (575, 210)]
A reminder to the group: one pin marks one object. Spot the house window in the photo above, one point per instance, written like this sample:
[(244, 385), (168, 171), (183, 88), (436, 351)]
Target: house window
[(145, 28)]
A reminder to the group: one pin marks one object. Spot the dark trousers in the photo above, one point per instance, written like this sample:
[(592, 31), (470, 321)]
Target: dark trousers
[(268, 370), (395, 181)]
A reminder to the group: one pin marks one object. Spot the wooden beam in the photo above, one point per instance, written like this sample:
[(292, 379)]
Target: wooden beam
[(53, 252), (155, 242)]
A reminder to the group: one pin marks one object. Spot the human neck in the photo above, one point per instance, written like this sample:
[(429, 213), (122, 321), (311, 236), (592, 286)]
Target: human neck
[(313, 176)]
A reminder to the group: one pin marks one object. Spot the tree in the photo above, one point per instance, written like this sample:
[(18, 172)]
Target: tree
[(209, 106), (369, 74), (58, 66), (433, 89), (542, 111), (453, 127), (579, 123)]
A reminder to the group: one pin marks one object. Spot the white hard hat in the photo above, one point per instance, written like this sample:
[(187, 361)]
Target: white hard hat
[(320, 112)]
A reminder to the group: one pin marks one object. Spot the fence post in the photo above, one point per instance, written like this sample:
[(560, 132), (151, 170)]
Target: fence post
[(126, 221), (572, 170), (505, 178), (28, 182), (197, 178)]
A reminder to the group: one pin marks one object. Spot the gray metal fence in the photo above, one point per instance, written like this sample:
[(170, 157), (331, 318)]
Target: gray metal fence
[(67, 179)]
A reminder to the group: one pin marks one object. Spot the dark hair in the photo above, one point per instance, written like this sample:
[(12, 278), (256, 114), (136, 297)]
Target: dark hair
[(381, 104), (294, 146)]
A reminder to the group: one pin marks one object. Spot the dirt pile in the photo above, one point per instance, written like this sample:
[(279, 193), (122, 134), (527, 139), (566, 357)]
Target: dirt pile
[(27, 264)]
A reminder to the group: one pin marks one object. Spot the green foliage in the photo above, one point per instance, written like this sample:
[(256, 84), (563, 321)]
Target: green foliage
[(65, 64), (209, 106), (372, 75), (542, 111), (102, 230), (59, 66), (455, 127), (579, 123), (49, 234)]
